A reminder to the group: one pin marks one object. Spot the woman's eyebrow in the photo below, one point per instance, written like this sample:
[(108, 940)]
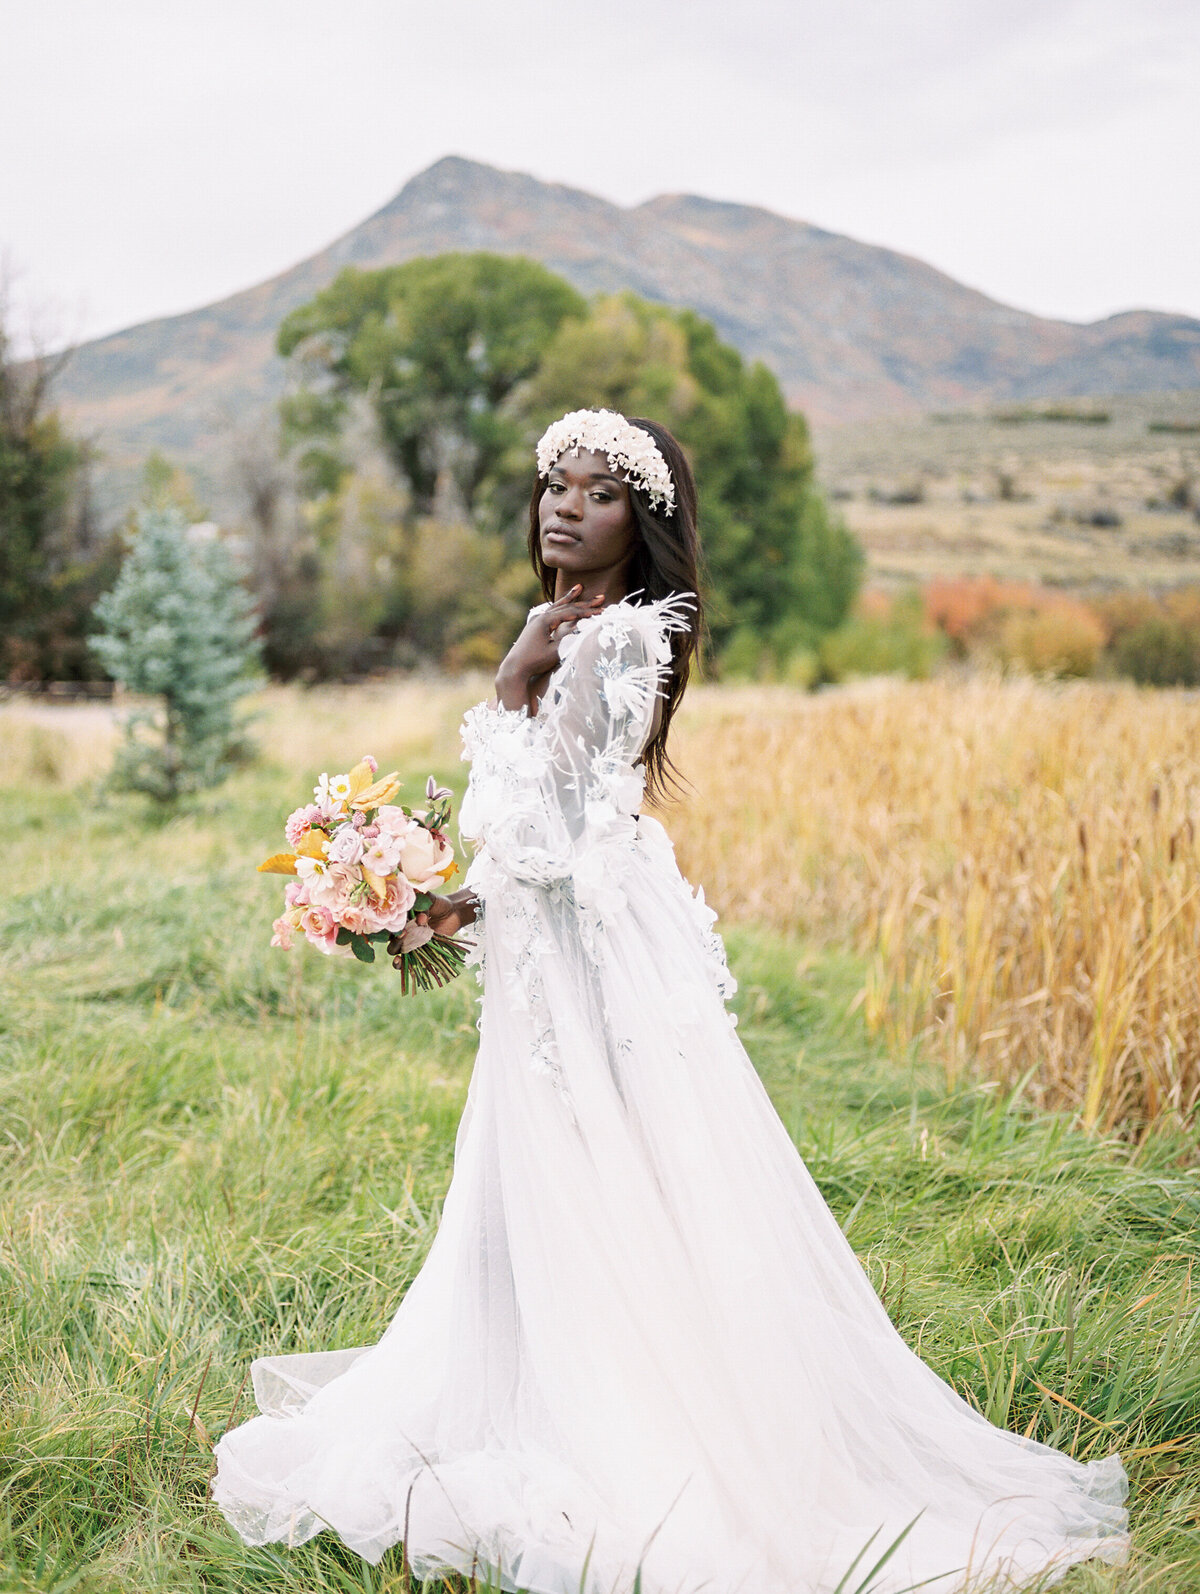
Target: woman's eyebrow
[(594, 476)]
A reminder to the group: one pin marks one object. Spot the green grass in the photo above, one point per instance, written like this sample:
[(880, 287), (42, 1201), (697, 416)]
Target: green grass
[(209, 1150)]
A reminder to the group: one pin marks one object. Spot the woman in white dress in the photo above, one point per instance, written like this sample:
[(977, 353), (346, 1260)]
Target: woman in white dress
[(641, 1349)]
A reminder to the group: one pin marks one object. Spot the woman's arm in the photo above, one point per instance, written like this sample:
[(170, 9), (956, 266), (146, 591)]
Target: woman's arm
[(529, 662), (535, 652), (549, 790)]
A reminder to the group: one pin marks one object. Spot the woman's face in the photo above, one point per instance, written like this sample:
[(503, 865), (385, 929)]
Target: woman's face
[(585, 517)]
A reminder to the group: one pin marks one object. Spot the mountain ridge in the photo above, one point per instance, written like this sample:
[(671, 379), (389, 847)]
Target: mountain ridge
[(852, 330)]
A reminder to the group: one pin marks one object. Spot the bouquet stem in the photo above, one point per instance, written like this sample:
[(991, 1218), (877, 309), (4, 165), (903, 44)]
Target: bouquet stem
[(438, 962)]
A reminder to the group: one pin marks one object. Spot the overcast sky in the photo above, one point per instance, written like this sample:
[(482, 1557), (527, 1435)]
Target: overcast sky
[(158, 154)]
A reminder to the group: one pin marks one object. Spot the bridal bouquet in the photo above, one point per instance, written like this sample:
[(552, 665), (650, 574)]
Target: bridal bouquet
[(365, 867)]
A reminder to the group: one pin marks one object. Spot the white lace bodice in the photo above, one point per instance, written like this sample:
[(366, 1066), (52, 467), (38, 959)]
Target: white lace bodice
[(551, 794), (551, 809)]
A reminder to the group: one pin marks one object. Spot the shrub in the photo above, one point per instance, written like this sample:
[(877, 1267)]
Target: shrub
[(746, 657), (1015, 622), (970, 610), (884, 637), (1160, 652), (1061, 638), (1154, 641), (1122, 612)]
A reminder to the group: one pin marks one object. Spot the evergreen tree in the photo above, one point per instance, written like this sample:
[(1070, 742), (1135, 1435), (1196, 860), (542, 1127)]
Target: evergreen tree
[(178, 625), (53, 558)]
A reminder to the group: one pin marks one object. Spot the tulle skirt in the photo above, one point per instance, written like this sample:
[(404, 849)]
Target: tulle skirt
[(641, 1343)]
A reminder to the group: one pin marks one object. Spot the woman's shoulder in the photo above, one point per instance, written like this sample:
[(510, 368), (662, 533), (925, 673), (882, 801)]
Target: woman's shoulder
[(629, 622)]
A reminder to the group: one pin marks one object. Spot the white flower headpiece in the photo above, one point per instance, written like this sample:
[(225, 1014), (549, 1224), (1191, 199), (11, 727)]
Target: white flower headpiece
[(628, 447)]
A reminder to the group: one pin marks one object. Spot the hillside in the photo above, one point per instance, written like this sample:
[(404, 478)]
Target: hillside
[(1025, 493), (853, 331)]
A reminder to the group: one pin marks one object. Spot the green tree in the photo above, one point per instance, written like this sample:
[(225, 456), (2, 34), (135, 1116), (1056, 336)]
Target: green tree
[(178, 626), (53, 559), (436, 346), (783, 570), (462, 360)]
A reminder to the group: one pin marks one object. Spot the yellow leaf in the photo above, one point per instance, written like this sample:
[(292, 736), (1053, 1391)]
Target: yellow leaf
[(360, 777), (312, 844), (377, 883), (450, 870), (281, 863), (384, 789)]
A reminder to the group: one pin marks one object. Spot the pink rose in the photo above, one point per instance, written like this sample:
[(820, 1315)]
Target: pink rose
[(319, 929), (295, 894), (283, 934), (359, 919), (332, 885)]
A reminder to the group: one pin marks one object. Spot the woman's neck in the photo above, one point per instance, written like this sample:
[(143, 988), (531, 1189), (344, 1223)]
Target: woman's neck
[(612, 583)]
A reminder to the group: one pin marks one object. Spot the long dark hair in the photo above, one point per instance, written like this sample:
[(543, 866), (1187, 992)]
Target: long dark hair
[(666, 559)]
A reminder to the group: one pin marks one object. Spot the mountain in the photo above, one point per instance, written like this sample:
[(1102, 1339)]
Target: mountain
[(851, 330)]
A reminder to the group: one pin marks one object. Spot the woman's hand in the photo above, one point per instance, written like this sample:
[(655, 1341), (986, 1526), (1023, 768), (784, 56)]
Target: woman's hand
[(450, 914), (535, 652), (444, 916)]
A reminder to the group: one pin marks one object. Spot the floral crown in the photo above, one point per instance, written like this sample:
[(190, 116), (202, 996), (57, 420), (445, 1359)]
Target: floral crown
[(628, 448)]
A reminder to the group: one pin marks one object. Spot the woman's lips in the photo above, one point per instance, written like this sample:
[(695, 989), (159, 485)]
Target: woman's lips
[(554, 534)]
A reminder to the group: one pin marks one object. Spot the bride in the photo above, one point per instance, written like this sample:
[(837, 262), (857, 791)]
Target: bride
[(641, 1352)]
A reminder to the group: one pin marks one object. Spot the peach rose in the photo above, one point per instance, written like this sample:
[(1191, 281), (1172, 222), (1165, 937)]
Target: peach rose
[(331, 886), (361, 919), (392, 913), (425, 859)]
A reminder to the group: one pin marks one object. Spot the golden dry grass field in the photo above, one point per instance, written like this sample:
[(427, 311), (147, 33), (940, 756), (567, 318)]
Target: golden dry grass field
[(1020, 862)]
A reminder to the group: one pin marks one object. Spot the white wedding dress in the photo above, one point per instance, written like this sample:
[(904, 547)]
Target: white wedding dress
[(640, 1342)]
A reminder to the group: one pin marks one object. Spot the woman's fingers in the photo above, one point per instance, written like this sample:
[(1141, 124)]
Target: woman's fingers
[(566, 609), (570, 601), (563, 615)]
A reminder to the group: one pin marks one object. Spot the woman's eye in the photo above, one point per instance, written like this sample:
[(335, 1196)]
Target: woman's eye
[(602, 497)]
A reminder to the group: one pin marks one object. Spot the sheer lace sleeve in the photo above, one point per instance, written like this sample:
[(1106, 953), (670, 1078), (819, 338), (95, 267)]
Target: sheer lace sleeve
[(549, 790)]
